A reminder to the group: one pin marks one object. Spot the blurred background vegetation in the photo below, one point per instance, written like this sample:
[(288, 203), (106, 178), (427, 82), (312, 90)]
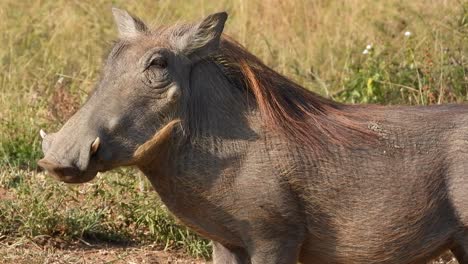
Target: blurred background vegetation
[(354, 51)]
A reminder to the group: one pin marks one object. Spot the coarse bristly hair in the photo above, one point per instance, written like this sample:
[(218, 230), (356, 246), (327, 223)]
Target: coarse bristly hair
[(301, 115)]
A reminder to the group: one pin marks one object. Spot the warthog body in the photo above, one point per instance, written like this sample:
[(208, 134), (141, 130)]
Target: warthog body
[(270, 172)]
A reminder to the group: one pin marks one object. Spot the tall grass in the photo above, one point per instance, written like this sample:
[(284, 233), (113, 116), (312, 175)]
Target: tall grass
[(51, 53)]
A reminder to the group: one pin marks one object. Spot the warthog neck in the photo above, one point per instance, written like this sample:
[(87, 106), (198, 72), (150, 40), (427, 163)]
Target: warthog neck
[(194, 176)]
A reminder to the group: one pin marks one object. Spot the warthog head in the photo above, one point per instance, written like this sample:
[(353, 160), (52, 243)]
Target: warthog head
[(144, 82)]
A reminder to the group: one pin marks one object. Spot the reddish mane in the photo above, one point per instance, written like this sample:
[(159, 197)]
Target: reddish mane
[(287, 107)]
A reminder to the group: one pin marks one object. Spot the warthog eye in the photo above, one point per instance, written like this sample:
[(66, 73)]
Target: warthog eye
[(158, 62), (156, 73)]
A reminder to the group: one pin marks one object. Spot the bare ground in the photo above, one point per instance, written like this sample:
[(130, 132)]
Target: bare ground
[(31, 253), (4, 194)]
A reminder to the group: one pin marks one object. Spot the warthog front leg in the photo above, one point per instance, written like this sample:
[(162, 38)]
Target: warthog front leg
[(224, 255), (281, 251)]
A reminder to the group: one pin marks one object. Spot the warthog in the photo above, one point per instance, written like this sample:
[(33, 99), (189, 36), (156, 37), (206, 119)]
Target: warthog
[(268, 171)]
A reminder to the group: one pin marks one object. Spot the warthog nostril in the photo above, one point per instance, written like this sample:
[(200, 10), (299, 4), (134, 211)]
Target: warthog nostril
[(57, 169), (45, 164)]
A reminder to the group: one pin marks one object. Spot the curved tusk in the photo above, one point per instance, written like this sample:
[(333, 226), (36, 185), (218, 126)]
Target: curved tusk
[(42, 133), (156, 146), (95, 145)]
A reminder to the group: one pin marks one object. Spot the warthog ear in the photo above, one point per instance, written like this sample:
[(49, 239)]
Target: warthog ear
[(128, 25), (205, 36)]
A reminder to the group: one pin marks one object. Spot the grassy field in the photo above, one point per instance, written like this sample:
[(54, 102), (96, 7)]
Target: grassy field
[(356, 51)]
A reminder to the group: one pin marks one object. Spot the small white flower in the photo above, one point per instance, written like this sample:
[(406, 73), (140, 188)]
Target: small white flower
[(369, 46), (407, 34), (366, 51)]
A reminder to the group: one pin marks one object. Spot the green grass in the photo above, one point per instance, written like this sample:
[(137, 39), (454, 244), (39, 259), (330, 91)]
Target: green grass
[(52, 51), (113, 209)]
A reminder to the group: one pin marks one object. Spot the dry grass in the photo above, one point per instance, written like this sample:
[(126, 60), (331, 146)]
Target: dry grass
[(51, 54), (29, 252), (317, 43)]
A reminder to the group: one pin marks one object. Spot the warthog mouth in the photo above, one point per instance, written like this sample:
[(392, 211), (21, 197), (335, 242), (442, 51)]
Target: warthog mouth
[(67, 174)]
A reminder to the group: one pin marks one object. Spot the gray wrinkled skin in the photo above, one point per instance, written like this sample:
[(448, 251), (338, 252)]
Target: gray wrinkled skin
[(257, 195)]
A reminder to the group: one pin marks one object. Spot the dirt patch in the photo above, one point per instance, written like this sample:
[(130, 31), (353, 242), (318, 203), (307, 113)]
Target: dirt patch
[(32, 253), (5, 195), (28, 252)]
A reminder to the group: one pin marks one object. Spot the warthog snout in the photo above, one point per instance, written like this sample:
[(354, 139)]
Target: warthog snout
[(68, 170), (67, 174)]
